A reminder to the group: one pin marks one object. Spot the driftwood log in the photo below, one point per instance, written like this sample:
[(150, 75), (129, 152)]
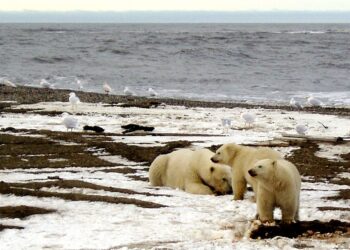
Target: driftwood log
[(297, 137), (300, 228)]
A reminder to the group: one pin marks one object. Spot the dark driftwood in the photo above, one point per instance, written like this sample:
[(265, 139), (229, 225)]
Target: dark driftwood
[(300, 228), (3, 227)]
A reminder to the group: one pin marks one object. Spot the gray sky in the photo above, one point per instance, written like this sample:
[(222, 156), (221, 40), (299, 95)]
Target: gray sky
[(208, 5)]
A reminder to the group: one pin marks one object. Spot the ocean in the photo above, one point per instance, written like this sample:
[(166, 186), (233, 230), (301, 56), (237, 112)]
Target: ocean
[(258, 63)]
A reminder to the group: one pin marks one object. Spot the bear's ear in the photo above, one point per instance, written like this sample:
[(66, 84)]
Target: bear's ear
[(212, 169)]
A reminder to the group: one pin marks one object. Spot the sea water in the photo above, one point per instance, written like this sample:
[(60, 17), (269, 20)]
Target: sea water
[(264, 63)]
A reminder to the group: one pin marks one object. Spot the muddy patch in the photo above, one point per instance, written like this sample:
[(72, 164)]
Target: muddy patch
[(70, 184), (313, 228), (321, 169), (22, 211), (7, 188)]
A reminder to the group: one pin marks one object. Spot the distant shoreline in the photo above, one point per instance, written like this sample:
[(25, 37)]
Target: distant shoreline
[(30, 95)]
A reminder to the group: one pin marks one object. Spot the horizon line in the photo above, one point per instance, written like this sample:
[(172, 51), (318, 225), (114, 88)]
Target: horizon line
[(217, 11)]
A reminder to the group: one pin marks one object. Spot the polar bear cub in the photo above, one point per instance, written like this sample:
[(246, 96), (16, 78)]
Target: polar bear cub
[(241, 159), (191, 171), (278, 186)]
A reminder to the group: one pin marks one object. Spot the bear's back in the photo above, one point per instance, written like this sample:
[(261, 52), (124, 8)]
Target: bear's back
[(266, 153), (178, 168)]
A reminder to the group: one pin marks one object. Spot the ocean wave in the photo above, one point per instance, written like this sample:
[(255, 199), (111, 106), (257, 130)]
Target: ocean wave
[(114, 51), (214, 52), (52, 60), (48, 30), (305, 32), (335, 65)]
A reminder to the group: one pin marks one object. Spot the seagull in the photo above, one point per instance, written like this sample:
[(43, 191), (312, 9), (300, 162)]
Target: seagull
[(70, 122), (248, 118), (45, 84), (152, 92), (107, 89), (74, 100), (226, 123), (127, 91), (8, 83), (79, 83), (301, 129), (295, 104), (314, 102)]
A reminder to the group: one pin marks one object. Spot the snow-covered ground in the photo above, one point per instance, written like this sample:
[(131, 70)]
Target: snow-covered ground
[(189, 221)]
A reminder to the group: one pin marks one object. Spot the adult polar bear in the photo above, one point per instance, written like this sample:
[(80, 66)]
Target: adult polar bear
[(278, 186), (191, 171), (241, 159)]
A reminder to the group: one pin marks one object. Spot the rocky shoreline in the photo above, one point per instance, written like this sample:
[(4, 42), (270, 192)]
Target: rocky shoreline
[(30, 95)]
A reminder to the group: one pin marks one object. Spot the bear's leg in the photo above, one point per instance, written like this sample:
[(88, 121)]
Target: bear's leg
[(196, 188), (296, 216), (239, 185), (265, 205), (289, 212), (255, 190)]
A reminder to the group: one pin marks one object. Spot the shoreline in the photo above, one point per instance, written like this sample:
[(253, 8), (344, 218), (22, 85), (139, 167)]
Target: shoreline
[(31, 95)]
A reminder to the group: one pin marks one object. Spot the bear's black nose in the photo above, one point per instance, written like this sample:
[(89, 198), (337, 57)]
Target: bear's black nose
[(252, 173), (214, 160)]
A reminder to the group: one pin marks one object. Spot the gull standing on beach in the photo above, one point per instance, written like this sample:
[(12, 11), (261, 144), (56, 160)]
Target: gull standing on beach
[(70, 122), (152, 92), (301, 129), (8, 83), (226, 123), (314, 102), (107, 89), (295, 104), (79, 83), (248, 118), (74, 100), (128, 92), (45, 84)]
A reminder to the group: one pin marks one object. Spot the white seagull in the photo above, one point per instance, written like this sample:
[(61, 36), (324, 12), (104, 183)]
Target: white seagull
[(45, 84), (295, 104), (226, 123), (74, 100), (80, 83), (152, 92), (301, 129), (70, 122), (314, 102), (128, 92), (248, 118), (107, 89), (8, 83)]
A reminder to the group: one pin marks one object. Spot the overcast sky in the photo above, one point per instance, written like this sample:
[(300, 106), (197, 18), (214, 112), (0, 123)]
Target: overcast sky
[(208, 5)]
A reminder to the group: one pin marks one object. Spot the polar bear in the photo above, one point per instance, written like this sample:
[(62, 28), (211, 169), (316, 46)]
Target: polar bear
[(278, 186), (191, 171), (241, 159)]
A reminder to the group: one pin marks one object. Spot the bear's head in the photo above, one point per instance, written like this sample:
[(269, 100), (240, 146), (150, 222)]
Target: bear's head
[(263, 169), (226, 153), (219, 178)]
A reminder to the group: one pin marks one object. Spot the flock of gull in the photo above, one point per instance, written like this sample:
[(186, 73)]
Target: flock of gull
[(249, 118)]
